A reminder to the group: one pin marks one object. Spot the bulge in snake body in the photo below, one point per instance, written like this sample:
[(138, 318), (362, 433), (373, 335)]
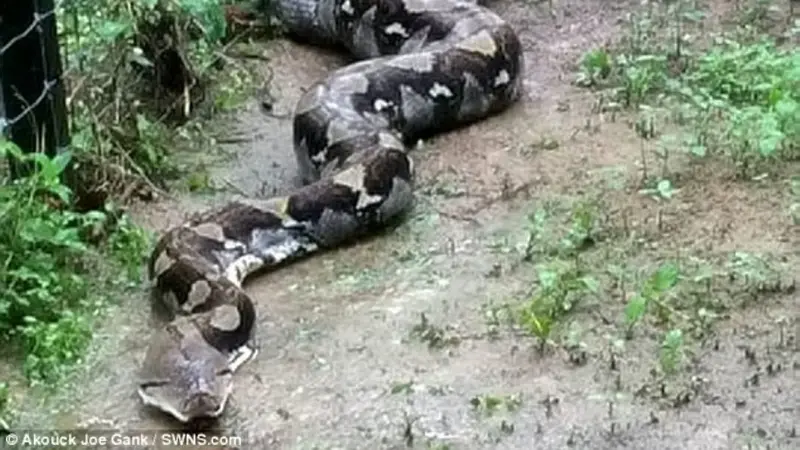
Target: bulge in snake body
[(435, 64)]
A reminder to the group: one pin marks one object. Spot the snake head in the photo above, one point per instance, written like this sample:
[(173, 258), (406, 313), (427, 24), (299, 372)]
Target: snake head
[(184, 376)]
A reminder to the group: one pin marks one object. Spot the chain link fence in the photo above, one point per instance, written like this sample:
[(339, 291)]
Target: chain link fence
[(115, 80), (109, 79), (32, 103)]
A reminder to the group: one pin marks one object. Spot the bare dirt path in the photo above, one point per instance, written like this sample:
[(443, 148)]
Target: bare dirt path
[(347, 360)]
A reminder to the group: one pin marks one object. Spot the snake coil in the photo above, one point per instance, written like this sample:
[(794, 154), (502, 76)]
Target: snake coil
[(427, 66)]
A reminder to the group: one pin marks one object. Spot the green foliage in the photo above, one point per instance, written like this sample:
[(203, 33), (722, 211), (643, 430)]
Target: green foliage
[(565, 241), (119, 104), (150, 151), (3, 396), (92, 26), (489, 404), (744, 74), (752, 269), (47, 277), (209, 14), (672, 351), (4, 401), (128, 244), (51, 347), (57, 265), (595, 65), (561, 286), (737, 97), (562, 282), (663, 190), (641, 76), (755, 88), (582, 228), (654, 289), (37, 241)]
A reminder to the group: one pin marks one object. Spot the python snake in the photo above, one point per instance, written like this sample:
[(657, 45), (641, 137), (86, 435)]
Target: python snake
[(426, 66)]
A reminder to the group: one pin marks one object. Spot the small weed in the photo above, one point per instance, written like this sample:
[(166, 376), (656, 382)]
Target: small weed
[(52, 347), (48, 280), (561, 286), (199, 180), (756, 273), (129, 244), (445, 187), (545, 143), (581, 234), (490, 404), (574, 345), (663, 190), (672, 351), (359, 278), (595, 66), (497, 315), (436, 337), (562, 280), (545, 238), (654, 290), (406, 387)]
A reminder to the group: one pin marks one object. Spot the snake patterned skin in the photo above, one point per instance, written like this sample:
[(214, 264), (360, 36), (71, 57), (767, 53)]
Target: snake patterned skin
[(426, 66)]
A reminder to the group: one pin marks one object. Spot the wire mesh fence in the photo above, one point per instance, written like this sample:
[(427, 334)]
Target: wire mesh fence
[(115, 80), (32, 108), (112, 72)]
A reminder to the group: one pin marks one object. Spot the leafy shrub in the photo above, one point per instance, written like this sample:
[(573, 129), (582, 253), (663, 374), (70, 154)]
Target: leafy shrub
[(48, 276), (135, 70)]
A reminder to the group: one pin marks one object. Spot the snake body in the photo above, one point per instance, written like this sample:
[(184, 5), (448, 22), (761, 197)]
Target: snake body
[(427, 66)]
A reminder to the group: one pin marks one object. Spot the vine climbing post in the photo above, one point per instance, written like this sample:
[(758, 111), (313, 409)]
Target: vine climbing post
[(32, 100)]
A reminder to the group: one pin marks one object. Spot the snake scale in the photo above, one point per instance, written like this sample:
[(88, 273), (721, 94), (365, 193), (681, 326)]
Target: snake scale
[(425, 66)]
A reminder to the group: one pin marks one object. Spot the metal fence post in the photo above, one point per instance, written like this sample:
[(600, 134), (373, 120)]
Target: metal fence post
[(34, 114)]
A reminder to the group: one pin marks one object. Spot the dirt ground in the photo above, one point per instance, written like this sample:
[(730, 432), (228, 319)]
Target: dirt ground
[(347, 360)]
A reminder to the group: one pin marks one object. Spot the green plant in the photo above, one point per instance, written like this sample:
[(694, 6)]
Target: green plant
[(3, 396), (51, 276), (751, 269), (537, 232), (38, 240), (52, 347), (663, 190), (583, 226), (489, 404), (561, 286), (562, 281), (47, 277), (737, 97), (653, 291), (122, 23), (139, 72), (640, 77), (129, 245), (547, 239), (595, 66), (671, 351)]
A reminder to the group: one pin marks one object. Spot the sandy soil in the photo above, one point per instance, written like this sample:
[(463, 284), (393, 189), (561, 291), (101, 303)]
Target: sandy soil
[(341, 364)]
